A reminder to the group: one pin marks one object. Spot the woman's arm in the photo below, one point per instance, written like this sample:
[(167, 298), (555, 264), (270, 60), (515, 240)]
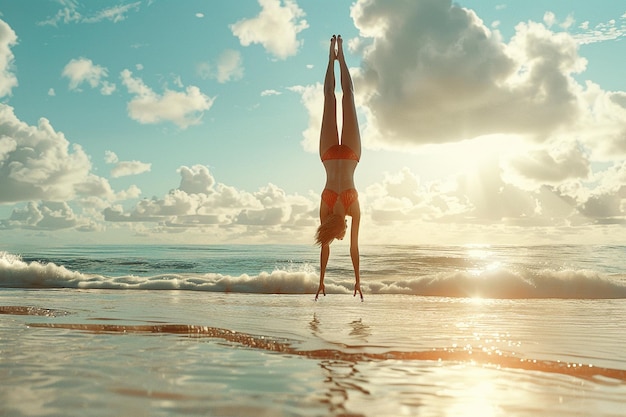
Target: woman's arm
[(354, 247)]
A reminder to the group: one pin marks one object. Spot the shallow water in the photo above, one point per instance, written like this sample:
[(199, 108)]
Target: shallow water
[(111, 352)]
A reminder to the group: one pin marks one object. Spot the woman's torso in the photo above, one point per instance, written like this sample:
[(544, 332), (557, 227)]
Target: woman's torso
[(340, 174), (340, 162)]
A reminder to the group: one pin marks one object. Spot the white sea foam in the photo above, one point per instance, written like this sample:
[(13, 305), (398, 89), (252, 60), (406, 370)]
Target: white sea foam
[(16, 273), (500, 283), (506, 283)]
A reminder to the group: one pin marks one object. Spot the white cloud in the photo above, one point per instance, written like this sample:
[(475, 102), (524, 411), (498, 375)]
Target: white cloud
[(83, 70), (568, 22), (228, 68), (398, 197), (266, 217), (196, 180), (44, 215), (110, 157), (7, 145), (69, 13), (602, 127), (607, 207), (125, 168), (178, 81), (115, 14), (434, 73), (8, 80), (605, 31), (50, 216), (478, 197), (549, 18), (612, 29), (552, 166), (478, 204), (38, 163), (107, 88), (270, 92), (485, 196), (183, 108), (312, 97), (130, 193), (201, 202), (276, 27), (51, 92)]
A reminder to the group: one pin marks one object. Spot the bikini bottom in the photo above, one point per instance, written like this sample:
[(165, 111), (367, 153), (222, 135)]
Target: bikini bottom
[(347, 197)]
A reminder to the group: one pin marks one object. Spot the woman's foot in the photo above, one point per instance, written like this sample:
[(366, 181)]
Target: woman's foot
[(333, 53), (339, 48)]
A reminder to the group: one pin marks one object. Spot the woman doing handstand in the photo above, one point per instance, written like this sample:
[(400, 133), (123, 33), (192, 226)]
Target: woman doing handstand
[(340, 158)]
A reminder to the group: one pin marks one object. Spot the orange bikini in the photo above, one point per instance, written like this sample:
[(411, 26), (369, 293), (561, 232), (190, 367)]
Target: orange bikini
[(347, 196), (340, 152)]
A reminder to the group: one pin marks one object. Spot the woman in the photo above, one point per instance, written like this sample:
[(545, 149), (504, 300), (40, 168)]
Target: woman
[(340, 158)]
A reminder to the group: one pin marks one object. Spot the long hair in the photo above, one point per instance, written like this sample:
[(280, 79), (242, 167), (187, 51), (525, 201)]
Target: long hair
[(329, 230)]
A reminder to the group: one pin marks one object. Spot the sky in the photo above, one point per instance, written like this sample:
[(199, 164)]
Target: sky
[(197, 122)]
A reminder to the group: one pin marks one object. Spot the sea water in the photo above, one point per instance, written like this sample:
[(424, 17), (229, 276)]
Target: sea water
[(235, 331)]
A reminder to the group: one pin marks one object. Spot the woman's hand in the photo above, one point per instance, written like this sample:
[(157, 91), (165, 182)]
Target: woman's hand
[(357, 288), (322, 289)]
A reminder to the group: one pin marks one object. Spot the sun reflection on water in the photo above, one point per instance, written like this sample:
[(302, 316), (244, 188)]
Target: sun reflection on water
[(482, 257), (475, 396)]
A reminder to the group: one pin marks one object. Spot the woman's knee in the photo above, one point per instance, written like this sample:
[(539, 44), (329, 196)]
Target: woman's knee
[(329, 95)]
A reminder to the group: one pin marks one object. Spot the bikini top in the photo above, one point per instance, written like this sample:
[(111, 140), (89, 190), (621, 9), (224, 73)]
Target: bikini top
[(340, 152)]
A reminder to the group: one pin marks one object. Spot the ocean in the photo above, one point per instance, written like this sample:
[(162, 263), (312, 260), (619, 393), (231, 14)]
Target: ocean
[(162, 330)]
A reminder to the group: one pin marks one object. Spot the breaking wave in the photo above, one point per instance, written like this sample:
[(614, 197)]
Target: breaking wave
[(500, 283)]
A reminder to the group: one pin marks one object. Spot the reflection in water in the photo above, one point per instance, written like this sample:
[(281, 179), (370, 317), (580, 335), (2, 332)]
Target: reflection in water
[(342, 381), (360, 330), (482, 260), (363, 380), (32, 311), (314, 325), (475, 395), (465, 354)]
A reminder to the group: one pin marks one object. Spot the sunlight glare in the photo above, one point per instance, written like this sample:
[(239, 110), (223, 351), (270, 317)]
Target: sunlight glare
[(479, 395)]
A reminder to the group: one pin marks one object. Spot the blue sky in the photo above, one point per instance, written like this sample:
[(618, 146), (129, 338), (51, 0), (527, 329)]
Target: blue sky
[(197, 121)]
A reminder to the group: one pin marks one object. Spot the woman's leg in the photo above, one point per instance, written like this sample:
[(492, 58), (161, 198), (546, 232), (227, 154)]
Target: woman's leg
[(350, 134), (329, 135), (351, 137)]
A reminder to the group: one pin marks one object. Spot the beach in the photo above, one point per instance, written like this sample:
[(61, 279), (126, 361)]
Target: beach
[(153, 331)]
